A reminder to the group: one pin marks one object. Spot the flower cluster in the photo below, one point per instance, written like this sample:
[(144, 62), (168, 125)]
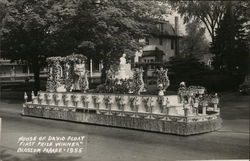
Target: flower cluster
[(75, 58), (121, 86), (162, 79), (61, 72), (138, 84), (196, 89)]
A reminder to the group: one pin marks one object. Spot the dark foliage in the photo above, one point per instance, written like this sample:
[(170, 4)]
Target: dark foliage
[(231, 45), (191, 71)]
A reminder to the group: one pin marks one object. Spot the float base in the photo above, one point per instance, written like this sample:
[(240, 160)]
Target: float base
[(155, 125)]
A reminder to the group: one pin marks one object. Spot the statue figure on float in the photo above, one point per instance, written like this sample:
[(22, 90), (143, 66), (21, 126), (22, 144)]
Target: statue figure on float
[(81, 81), (124, 71), (123, 60)]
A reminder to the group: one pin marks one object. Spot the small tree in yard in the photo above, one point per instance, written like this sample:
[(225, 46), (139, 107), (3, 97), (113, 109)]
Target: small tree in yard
[(187, 69), (194, 42)]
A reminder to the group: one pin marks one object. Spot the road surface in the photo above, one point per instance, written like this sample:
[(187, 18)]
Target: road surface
[(117, 144)]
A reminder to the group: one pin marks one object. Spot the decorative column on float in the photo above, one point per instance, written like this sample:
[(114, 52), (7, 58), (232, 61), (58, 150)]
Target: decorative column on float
[(59, 84), (56, 98), (138, 84), (66, 99), (148, 103), (50, 82), (162, 80), (121, 103), (48, 98), (196, 106), (86, 101), (75, 99), (55, 80), (97, 101), (108, 103), (85, 83), (134, 104), (204, 104), (185, 108), (163, 104), (40, 98)]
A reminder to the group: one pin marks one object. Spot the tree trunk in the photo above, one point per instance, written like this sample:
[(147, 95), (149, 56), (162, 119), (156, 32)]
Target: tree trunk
[(106, 66), (36, 69)]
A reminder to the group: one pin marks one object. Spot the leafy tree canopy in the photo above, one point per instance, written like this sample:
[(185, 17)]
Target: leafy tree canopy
[(194, 42), (100, 29), (209, 13), (231, 45)]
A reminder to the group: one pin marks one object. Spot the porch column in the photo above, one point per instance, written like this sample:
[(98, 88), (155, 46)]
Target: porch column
[(100, 66), (91, 68), (204, 110)]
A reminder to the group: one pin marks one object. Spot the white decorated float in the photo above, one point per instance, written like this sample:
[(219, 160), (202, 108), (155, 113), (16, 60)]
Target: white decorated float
[(191, 111)]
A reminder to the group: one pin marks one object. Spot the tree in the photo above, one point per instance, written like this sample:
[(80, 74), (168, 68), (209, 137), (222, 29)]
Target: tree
[(187, 69), (5, 10), (195, 42), (98, 29), (210, 13), (27, 33), (231, 45), (106, 30)]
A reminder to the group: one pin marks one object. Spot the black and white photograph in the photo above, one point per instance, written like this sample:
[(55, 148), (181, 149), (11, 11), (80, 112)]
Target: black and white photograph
[(124, 80)]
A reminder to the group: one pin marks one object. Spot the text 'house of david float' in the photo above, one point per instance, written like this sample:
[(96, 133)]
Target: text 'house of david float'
[(120, 103)]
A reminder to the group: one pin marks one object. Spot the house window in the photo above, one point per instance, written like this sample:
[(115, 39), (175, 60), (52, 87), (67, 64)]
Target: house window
[(172, 44), (160, 41)]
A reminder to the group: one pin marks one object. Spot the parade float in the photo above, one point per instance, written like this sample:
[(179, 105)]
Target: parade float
[(120, 101)]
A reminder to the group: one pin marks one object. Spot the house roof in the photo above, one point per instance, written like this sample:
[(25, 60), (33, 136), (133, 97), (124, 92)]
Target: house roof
[(164, 28), (152, 47), (152, 53), (7, 62)]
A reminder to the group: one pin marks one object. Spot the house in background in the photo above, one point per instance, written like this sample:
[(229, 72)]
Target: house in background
[(206, 58), (163, 44), (14, 71)]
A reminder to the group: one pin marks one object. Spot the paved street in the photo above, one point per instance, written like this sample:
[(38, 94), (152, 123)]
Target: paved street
[(117, 144)]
